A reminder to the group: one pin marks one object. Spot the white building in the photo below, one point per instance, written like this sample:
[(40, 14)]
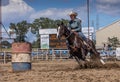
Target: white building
[(112, 30), (44, 37)]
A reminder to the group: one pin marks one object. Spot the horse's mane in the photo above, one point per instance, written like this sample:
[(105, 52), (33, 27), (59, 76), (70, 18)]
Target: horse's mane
[(67, 31)]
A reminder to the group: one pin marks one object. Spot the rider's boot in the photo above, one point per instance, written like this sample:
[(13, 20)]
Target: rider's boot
[(86, 43)]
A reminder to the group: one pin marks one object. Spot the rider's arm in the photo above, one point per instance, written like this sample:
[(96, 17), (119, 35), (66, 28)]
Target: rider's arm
[(68, 26)]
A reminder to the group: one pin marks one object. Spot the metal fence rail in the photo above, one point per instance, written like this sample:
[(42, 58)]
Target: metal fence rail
[(40, 54), (51, 54), (5, 57)]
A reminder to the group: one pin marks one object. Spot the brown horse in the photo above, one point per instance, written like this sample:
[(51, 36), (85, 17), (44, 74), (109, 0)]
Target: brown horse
[(77, 47)]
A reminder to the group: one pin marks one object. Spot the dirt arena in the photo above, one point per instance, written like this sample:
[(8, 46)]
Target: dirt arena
[(62, 71)]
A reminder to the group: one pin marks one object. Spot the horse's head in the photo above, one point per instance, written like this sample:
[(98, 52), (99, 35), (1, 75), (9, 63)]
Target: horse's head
[(60, 30)]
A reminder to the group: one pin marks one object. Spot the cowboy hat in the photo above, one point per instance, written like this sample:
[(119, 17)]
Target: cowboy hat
[(73, 13)]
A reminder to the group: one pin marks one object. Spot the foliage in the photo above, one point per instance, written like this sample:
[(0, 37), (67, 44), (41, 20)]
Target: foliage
[(43, 23), (35, 44), (5, 44), (114, 41), (20, 29)]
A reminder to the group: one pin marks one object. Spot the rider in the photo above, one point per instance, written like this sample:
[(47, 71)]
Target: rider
[(75, 26)]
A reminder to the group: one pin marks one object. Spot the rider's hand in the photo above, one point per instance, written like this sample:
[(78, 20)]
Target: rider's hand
[(73, 30)]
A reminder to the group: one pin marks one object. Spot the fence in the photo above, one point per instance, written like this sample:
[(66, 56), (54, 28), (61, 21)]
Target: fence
[(5, 57), (39, 54), (52, 54)]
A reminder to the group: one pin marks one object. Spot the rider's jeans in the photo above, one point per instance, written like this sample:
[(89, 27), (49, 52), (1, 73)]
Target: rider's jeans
[(82, 35)]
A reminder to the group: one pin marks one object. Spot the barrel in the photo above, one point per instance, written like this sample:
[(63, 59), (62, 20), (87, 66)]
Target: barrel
[(21, 56)]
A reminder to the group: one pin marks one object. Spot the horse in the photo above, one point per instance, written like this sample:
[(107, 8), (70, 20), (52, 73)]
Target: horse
[(77, 46)]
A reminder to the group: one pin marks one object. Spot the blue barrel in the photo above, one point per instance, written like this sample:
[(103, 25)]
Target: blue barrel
[(21, 66), (21, 62), (21, 56)]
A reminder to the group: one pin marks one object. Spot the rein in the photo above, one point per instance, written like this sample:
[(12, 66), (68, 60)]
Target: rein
[(69, 35)]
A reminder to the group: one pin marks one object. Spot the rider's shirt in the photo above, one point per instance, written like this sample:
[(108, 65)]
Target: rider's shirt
[(75, 25)]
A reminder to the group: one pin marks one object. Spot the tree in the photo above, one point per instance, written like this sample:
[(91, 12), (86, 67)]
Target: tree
[(46, 23), (114, 41), (42, 23), (35, 44), (20, 29), (5, 44)]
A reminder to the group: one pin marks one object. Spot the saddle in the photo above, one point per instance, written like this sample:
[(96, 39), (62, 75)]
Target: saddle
[(85, 44), (78, 43), (79, 40)]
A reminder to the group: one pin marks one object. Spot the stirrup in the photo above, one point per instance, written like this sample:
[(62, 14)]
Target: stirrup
[(88, 46)]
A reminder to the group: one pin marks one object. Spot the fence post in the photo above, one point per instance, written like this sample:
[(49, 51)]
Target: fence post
[(53, 54), (46, 52), (37, 53), (4, 57), (60, 54), (42, 54), (32, 57)]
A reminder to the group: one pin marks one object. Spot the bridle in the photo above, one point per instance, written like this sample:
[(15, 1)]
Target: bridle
[(65, 33)]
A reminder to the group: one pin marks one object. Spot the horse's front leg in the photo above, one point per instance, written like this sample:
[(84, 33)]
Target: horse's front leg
[(80, 62), (83, 54)]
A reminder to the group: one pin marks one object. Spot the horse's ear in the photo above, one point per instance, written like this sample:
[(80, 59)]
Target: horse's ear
[(62, 23)]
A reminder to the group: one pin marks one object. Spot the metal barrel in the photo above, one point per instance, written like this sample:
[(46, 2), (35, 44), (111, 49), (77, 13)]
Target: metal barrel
[(21, 56)]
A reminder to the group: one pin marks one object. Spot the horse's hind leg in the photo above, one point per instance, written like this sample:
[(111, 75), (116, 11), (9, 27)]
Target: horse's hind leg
[(83, 54), (97, 59)]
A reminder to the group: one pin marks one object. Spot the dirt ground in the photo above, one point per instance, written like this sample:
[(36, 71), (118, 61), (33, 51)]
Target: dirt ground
[(62, 71)]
